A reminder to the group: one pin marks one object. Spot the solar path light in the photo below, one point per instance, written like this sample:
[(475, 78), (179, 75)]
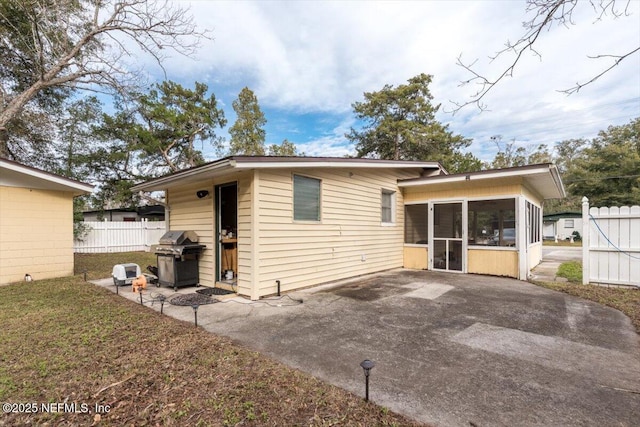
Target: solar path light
[(367, 365), (195, 313)]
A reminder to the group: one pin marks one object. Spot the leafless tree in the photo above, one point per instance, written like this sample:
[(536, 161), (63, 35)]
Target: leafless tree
[(547, 14), (82, 44)]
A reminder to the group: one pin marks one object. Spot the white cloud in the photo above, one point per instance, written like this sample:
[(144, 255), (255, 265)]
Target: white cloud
[(302, 57)]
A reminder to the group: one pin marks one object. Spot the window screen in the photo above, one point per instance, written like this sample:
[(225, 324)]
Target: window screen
[(492, 222), (306, 198), (416, 224)]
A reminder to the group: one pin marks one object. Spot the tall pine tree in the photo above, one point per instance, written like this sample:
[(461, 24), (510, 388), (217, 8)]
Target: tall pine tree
[(247, 133)]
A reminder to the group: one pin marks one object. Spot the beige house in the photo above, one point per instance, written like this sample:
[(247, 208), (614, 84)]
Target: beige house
[(301, 221), (36, 222)]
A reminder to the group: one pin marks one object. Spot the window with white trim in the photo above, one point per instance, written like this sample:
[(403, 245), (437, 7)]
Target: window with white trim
[(306, 198), (388, 204)]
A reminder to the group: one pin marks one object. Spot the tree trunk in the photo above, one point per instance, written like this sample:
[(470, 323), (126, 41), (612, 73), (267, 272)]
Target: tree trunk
[(4, 146), (11, 110)]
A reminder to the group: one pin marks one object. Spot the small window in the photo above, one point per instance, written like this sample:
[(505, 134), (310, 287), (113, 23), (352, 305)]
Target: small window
[(388, 204), (306, 198), (568, 223)]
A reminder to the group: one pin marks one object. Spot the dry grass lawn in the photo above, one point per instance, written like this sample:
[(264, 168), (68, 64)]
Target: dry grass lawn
[(68, 341)]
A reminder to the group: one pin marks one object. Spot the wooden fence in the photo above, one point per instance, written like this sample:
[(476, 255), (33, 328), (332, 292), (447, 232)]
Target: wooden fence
[(611, 244), (120, 236)]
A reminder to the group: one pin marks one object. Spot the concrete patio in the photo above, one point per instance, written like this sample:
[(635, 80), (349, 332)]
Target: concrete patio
[(450, 349)]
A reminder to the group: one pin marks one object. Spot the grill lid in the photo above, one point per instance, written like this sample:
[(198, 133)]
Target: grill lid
[(176, 237)]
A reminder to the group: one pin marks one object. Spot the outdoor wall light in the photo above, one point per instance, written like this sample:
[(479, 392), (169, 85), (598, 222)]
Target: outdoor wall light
[(202, 194), (367, 365), (195, 313)]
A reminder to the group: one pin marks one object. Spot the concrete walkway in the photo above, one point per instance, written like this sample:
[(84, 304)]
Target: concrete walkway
[(450, 349), (552, 257)]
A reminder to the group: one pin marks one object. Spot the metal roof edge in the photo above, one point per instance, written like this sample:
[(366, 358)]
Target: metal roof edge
[(485, 174), (519, 171), (268, 162)]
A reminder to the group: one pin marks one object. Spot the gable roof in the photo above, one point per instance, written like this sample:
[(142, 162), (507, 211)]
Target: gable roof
[(543, 178), (239, 163), (14, 174)]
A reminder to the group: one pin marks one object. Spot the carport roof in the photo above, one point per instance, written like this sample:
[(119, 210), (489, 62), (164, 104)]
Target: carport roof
[(544, 178), (239, 163)]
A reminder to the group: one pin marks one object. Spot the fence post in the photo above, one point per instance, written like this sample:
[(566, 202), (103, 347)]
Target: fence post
[(586, 233)]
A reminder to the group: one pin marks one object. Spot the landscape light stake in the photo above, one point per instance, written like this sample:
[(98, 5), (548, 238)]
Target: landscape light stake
[(117, 288), (161, 298), (195, 313), (140, 292), (367, 365)]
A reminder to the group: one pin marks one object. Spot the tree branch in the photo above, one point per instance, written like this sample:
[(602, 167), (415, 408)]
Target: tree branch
[(618, 60), (547, 12)]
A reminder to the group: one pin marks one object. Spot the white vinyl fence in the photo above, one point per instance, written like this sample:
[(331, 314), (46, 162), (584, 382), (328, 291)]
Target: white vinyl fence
[(120, 236), (611, 245)]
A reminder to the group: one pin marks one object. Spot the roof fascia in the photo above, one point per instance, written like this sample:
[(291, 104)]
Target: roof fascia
[(165, 181), (78, 188)]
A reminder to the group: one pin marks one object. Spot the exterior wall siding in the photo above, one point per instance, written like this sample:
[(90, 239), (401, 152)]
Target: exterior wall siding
[(245, 234), (416, 258), (534, 254), (493, 262), (36, 234), (188, 212), (471, 189), (349, 240)]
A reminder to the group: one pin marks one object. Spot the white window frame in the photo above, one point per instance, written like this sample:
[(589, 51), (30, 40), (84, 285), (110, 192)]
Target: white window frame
[(293, 183), (385, 192)]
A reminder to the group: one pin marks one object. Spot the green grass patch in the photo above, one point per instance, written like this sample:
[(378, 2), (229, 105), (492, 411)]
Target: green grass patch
[(65, 340), (571, 270)]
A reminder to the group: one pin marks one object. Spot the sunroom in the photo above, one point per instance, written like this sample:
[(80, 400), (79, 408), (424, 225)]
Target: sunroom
[(487, 222)]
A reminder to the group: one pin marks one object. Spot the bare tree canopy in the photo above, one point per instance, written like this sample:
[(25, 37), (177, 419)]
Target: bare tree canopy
[(547, 13), (48, 47)]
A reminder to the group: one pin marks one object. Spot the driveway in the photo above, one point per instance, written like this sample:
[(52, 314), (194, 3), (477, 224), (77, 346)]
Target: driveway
[(450, 349)]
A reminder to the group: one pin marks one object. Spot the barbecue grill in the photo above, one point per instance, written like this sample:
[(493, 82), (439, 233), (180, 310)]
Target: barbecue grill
[(177, 254)]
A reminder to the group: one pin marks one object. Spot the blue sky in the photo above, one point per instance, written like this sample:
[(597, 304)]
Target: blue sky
[(307, 62)]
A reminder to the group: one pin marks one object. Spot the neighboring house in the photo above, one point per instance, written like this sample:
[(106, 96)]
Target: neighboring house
[(561, 225), (302, 221), (36, 222), (150, 213)]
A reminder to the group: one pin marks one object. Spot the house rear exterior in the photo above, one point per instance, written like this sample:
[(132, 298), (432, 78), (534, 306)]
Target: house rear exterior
[(36, 222), (300, 221)]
